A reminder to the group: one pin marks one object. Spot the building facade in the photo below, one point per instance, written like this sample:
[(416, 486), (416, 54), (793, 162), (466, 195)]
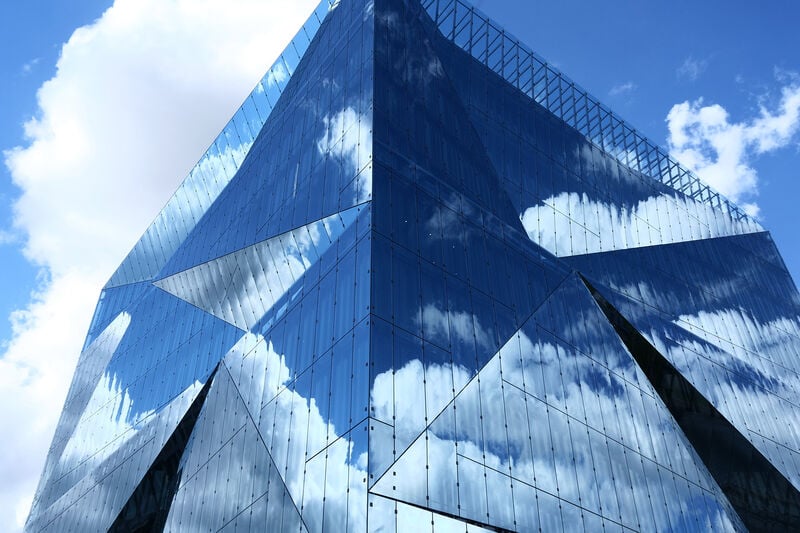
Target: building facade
[(423, 282)]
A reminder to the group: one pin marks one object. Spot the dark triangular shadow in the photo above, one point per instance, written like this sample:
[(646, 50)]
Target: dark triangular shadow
[(148, 507), (764, 499)]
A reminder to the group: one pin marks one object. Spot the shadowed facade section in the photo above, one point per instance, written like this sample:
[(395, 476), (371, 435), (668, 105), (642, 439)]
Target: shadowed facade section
[(764, 499), (148, 507)]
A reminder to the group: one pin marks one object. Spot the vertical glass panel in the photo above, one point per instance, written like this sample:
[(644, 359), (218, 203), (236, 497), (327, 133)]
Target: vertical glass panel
[(360, 389), (381, 449), (500, 499), (381, 277), (341, 384), (405, 290), (409, 379), (382, 515), (472, 489)]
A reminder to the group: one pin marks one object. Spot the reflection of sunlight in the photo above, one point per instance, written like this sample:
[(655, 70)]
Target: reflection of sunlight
[(242, 286), (348, 136), (572, 224)]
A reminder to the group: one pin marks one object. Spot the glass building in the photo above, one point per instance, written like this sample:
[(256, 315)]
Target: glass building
[(423, 282)]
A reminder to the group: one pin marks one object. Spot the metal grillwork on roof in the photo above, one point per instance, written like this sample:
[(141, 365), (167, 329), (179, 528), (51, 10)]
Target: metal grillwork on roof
[(486, 41)]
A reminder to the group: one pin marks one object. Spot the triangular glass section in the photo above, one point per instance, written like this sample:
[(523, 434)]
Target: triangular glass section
[(93, 361), (226, 440), (113, 479), (572, 197), (242, 286), (729, 332), (715, 372), (128, 386)]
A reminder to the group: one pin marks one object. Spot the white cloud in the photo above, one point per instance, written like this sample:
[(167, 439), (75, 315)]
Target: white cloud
[(277, 74), (440, 324), (570, 223), (704, 138), (736, 332), (136, 98), (622, 88), (691, 68)]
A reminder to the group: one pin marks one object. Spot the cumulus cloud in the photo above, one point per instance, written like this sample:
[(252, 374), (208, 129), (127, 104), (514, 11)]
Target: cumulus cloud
[(136, 98), (721, 151)]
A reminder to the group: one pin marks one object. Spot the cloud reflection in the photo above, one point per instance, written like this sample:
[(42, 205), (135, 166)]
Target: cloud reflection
[(572, 224), (348, 136)]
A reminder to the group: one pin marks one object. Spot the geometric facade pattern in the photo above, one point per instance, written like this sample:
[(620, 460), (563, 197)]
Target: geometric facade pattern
[(423, 281)]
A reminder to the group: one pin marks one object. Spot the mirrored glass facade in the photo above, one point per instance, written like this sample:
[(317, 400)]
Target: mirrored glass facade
[(423, 282)]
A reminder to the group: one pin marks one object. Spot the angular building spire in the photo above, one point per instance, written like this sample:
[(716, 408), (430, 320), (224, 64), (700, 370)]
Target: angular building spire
[(404, 263)]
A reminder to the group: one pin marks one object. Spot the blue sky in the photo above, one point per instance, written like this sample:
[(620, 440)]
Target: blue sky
[(118, 121)]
